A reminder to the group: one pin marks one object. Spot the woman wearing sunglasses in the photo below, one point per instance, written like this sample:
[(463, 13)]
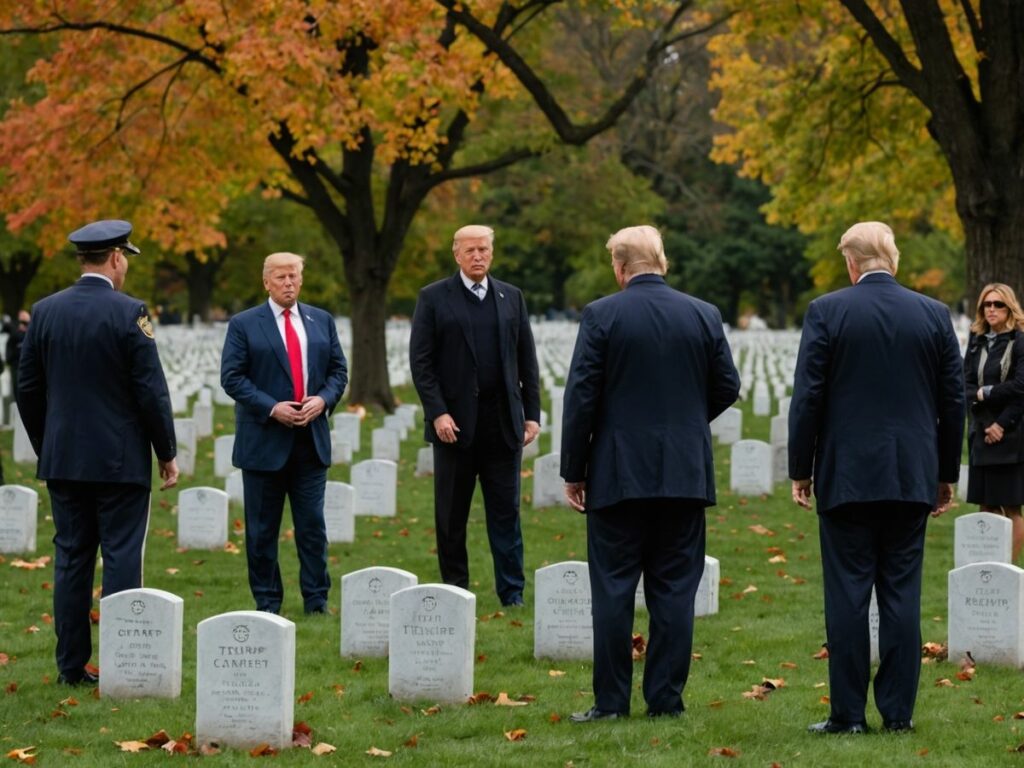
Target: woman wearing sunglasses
[(994, 378)]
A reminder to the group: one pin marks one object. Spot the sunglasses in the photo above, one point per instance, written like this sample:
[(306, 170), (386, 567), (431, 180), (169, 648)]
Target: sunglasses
[(993, 304)]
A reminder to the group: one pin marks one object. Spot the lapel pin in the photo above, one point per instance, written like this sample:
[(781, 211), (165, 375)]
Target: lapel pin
[(501, 294)]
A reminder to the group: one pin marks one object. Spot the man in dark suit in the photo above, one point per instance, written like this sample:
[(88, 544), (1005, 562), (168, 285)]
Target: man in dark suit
[(475, 368), (650, 370), (283, 365), (876, 422), (94, 400)]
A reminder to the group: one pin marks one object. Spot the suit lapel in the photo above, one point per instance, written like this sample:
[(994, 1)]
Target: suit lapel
[(269, 326), (457, 303), (314, 340)]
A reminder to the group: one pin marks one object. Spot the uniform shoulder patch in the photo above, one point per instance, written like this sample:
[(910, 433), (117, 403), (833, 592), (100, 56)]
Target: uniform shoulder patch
[(145, 325)]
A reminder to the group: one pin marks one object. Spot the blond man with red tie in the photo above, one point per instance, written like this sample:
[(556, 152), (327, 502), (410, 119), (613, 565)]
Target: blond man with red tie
[(283, 365)]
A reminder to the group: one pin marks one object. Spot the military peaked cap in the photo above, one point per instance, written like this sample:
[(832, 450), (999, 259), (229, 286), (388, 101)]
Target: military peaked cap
[(100, 235)]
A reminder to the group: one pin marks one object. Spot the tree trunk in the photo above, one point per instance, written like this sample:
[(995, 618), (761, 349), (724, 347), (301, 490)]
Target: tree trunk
[(200, 278), (15, 276), (368, 363), (994, 249)]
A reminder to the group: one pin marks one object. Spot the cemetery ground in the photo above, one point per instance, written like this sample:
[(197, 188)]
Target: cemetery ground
[(769, 626)]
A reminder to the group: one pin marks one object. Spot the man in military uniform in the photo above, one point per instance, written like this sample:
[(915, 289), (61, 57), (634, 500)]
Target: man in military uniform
[(93, 398)]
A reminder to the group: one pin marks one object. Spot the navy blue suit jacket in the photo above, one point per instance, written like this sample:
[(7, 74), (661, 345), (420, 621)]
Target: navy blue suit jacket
[(254, 371), (650, 370), (878, 403), (91, 390), (444, 366)]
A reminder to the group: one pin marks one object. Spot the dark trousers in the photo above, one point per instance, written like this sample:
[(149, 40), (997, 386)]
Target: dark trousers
[(880, 544), (662, 539), (111, 516), (302, 479), (455, 472)]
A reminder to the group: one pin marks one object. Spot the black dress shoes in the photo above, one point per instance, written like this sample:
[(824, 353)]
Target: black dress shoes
[(836, 726), (593, 715), (898, 726), (654, 713), (85, 678)]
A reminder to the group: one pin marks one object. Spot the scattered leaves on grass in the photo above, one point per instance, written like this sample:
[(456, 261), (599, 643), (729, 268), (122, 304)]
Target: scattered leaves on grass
[(1018, 715), (429, 711), (998, 719), (480, 698), (944, 682), (358, 666), (172, 571), (262, 750), (967, 668), (778, 559), (937, 651), (31, 565), (4, 659), (554, 717), (822, 654), (517, 734), (132, 746), (23, 755), (94, 616), (504, 701), (716, 704), (639, 647), (760, 530), (750, 588), (307, 696), (323, 748), (413, 741), (788, 665), (696, 656), (556, 673), (374, 752), (11, 687), (31, 629), (723, 752)]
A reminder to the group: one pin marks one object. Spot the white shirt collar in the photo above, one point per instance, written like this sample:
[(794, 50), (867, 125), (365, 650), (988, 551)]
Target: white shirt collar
[(100, 276), (875, 272), (469, 283), (277, 309)]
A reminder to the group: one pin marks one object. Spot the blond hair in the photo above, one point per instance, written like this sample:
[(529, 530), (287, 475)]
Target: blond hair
[(639, 250), (870, 245), (469, 231), (980, 324), (282, 259)]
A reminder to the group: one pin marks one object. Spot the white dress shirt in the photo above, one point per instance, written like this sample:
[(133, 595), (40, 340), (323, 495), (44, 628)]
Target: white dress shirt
[(469, 285), (300, 331)]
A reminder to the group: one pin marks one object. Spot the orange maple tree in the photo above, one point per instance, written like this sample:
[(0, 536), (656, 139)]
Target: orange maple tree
[(356, 109)]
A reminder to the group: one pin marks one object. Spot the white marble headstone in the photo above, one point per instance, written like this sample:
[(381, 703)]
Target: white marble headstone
[(982, 537), (203, 416), (780, 463), (19, 507), (140, 644), (375, 482), (386, 444), (425, 461), (408, 412), (705, 602), (222, 448), (563, 626), (728, 426), (548, 486), (779, 430), (339, 517), (245, 680), (398, 423), (202, 518), (557, 398), (348, 425), (961, 486), (24, 453), (874, 622), (432, 642), (185, 437), (235, 487), (341, 449), (986, 613), (751, 467), (366, 608)]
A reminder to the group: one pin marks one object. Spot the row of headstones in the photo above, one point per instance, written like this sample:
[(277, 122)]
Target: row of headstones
[(245, 660)]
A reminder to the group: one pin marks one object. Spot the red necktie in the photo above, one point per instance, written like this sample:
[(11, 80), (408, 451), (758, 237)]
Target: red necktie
[(291, 339)]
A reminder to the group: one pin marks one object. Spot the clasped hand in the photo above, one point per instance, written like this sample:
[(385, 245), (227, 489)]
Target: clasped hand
[(993, 433), (296, 414)]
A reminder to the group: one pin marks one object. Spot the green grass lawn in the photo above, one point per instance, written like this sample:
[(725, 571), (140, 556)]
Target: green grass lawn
[(770, 625)]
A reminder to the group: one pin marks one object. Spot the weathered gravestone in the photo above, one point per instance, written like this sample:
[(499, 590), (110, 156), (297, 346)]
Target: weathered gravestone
[(235, 487), (751, 467), (425, 461), (185, 437), (366, 608), (874, 622), (222, 448), (986, 609), (245, 680), (202, 518), (961, 486), (728, 426), (398, 423), (140, 644), (705, 602), (408, 412), (779, 430), (563, 626), (375, 482), (557, 399), (348, 425), (386, 444), (24, 453), (982, 537), (341, 449), (431, 643), (203, 417), (19, 506), (339, 517), (548, 486)]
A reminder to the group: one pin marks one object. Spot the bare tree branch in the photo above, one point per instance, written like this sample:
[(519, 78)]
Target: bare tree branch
[(908, 74)]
